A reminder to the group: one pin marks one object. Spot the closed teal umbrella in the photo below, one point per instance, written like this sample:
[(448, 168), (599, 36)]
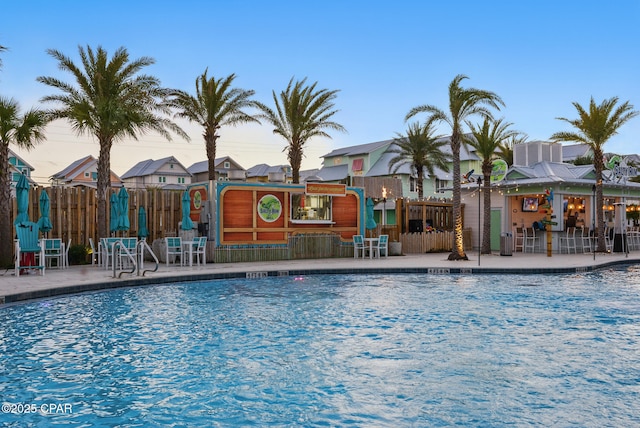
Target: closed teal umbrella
[(123, 218), (370, 222), (142, 223), (44, 222), (187, 224), (115, 210), (22, 199)]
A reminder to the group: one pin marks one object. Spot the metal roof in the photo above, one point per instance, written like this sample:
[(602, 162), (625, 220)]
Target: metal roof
[(150, 167)]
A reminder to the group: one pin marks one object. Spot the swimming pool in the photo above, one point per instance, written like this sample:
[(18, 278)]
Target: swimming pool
[(361, 350)]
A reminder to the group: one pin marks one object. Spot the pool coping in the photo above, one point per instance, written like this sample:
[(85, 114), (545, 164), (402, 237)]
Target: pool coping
[(284, 272)]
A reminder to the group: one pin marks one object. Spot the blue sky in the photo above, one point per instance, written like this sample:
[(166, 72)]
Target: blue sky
[(384, 58)]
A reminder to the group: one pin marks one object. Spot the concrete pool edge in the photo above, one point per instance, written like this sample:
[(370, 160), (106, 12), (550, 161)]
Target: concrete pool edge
[(189, 276)]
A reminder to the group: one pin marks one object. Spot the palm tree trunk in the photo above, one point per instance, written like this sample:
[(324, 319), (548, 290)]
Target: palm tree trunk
[(486, 229), (6, 240), (295, 160), (210, 144), (598, 165), (103, 186), (458, 244)]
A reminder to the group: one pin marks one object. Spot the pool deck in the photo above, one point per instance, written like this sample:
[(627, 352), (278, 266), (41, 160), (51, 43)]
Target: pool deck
[(90, 278)]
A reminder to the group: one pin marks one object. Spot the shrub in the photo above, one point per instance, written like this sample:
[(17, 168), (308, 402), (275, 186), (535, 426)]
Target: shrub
[(78, 254)]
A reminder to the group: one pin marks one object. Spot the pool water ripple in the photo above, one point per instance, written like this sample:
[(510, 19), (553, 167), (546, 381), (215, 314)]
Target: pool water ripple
[(374, 350)]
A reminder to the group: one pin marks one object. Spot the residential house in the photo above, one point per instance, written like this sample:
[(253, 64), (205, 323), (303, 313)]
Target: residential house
[(348, 164), (263, 173), (226, 169), (166, 173), (18, 167), (83, 172)]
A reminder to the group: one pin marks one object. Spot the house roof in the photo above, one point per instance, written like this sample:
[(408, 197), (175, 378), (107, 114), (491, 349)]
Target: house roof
[(263, 170), (13, 154), (150, 167), (357, 150), (381, 167), (310, 175), (572, 151), (75, 168), (203, 166), (333, 173)]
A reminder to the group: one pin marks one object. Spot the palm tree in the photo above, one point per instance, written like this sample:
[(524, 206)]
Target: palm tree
[(421, 150), (24, 131), (111, 101), (463, 103), (302, 112), (594, 128), (2, 49), (487, 140), (216, 104), (505, 149)]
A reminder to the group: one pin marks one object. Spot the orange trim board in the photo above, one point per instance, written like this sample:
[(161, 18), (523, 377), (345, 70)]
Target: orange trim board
[(326, 189)]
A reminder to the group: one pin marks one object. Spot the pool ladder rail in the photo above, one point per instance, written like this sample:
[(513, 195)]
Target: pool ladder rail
[(137, 263)]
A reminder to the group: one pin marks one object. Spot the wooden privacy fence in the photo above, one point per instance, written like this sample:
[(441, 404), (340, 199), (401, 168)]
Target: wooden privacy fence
[(74, 215), (431, 242)]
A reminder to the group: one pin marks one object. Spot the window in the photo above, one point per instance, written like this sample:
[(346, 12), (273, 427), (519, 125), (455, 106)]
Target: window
[(181, 180), (413, 184), (227, 165), (441, 185), (310, 207), (162, 179), (86, 174)]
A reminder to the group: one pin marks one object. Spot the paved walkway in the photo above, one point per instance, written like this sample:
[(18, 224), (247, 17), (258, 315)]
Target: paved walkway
[(87, 277)]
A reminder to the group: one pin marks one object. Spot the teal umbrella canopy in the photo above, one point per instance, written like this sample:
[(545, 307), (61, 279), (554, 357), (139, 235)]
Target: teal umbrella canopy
[(142, 223), (370, 222), (44, 222), (114, 213), (123, 218), (22, 199), (187, 224)]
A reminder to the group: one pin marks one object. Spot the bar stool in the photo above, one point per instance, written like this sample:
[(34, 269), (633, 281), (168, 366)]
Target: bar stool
[(569, 240)]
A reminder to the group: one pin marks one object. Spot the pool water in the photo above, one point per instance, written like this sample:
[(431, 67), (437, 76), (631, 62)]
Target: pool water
[(349, 350)]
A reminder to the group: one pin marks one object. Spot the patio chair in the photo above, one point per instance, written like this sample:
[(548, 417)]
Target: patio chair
[(382, 247), (531, 240), (568, 240), (585, 240), (173, 249), (518, 242), (28, 247), (96, 253), (358, 246), (53, 251), (107, 252), (198, 250), (131, 244)]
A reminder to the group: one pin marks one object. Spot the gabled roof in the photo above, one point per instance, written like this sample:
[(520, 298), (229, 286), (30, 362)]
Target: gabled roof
[(263, 170), (13, 154), (547, 172), (203, 166), (334, 173), (381, 167), (150, 167), (310, 175), (358, 150), (75, 168)]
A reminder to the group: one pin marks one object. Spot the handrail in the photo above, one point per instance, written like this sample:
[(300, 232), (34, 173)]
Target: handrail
[(143, 244), (126, 251)]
